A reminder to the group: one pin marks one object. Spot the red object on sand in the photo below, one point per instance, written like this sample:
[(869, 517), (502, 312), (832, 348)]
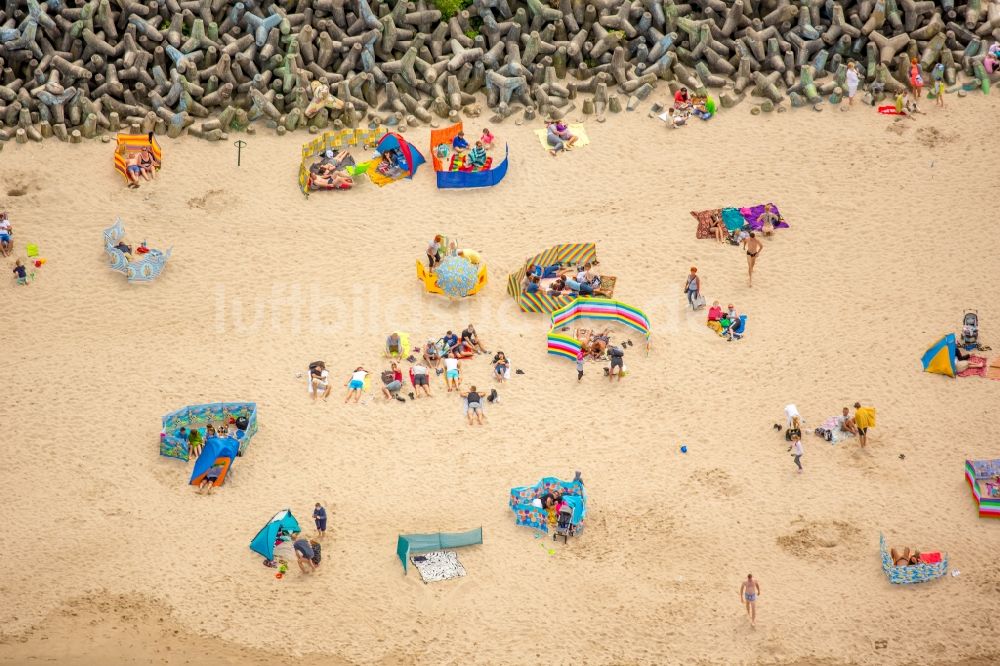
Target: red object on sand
[(890, 110), (930, 558), (142, 250)]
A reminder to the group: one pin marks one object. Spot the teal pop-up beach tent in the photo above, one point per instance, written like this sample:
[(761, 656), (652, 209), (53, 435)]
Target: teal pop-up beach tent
[(263, 543)]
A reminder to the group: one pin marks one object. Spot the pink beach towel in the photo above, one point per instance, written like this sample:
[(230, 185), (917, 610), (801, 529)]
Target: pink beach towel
[(973, 371)]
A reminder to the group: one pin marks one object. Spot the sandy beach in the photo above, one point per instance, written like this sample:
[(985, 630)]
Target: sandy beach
[(113, 558)]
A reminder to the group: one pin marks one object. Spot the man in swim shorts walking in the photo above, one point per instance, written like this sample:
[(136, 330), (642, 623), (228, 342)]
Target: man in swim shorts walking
[(753, 247), (749, 591)]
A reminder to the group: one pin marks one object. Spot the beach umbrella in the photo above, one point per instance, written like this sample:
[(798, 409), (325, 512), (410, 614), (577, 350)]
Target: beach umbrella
[(457, 276)]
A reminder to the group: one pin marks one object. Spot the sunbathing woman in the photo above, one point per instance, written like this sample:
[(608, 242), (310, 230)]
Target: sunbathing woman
[(147, 164), (904, 558), (599, 343), (719, 228), (328, 176)]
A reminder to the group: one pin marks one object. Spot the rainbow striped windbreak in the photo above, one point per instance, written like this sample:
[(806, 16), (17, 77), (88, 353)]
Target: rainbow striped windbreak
[(570, 254), (603, 309), (989, 507)]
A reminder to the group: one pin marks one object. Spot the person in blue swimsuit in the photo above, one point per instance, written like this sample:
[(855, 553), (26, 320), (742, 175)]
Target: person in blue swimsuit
[(749, 591)]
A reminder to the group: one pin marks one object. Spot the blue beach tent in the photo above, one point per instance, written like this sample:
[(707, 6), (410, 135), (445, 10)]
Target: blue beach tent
[(263, 543), (412, 156), (220, 451)]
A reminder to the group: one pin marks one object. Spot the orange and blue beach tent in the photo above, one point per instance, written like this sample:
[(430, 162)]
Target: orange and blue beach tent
[(217, 451)]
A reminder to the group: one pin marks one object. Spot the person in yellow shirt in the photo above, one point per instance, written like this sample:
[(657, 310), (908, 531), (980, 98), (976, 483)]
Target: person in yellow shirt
[(864, 418), (471, 255)]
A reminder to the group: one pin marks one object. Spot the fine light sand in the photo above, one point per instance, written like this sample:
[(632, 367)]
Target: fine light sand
[(112, 558)]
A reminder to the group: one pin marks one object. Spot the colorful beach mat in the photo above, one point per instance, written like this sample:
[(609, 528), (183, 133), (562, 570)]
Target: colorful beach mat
[(458, 163), (381, 179), (576, 129)]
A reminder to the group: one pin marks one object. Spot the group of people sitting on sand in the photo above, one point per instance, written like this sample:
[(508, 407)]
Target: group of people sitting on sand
[(686, 105), (330, 173), (558, 137), (552, 503), (769, 220), (575, 280), (726, 323), (475, 154), (443, 356), (141, 164)]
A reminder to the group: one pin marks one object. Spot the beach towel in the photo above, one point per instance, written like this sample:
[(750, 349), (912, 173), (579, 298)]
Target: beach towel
[(973, 371), (382, 180), (608, 285), (458, 163), (752, 216), (438, 565), (705, 220), (576, 129), (890, 110), (733, 219), (864, 417), (832, 425)]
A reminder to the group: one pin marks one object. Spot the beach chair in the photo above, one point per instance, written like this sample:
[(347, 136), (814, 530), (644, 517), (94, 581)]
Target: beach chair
[(970, 330), (740, 328)]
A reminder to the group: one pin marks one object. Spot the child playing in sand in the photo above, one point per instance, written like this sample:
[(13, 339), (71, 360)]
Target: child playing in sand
[(21, 272), (487, 138), (194, 442), (677, 117), (796, 451)]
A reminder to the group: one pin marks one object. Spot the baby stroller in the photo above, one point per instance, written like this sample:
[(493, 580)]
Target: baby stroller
[(564, 526), (970, 330)]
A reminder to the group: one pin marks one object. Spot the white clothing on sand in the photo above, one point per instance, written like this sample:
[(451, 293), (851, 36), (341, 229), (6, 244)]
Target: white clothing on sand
[(790, 412)]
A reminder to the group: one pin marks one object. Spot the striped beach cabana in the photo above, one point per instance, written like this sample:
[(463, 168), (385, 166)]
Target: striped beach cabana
[(569, 254)]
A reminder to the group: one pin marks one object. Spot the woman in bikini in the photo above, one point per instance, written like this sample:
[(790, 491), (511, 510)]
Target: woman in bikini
[(146, 164)]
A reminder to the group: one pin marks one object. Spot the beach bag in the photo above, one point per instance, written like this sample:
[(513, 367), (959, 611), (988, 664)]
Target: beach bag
[(699, 302), (317, 555), (387, 377)]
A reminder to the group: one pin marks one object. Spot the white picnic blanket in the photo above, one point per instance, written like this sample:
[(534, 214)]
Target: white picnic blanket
[(438, 565)]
